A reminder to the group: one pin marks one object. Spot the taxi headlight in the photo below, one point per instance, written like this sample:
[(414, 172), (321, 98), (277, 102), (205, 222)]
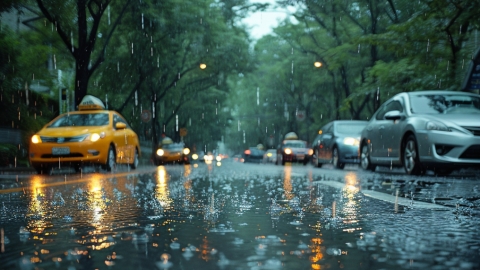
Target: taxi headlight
[(351, 141), (160, 152), (95, 136), (186, 151), (288, 151), (36, 139)]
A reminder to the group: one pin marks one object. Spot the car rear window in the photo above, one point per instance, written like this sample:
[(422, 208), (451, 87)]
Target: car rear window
[(79, 120)]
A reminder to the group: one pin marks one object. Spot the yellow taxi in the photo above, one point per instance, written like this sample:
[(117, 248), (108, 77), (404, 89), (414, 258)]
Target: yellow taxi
[(170, 152), (90, 136)]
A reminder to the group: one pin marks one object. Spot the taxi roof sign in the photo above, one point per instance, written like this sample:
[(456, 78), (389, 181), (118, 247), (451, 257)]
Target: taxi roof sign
[(90, 102), (291, 136)]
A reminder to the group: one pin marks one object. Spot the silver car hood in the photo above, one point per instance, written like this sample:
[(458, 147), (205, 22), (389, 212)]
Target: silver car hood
[(463, 120)]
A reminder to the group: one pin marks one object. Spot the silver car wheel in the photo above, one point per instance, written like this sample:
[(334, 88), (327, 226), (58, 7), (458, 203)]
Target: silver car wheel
[(410, 156), (365, 157)]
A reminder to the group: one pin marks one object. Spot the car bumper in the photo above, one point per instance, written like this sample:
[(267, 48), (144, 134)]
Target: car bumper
[(296, 158), (85, 152), (349, 154), (174, 157), (448, 148)]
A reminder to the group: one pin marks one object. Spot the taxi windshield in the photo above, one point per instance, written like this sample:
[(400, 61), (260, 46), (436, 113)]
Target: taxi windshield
[(173, 146), (295, 144), (79, 120)]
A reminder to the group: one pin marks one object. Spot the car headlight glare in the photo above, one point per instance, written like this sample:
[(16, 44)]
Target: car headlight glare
[(434, 125), (160, 152), (288, 151), (36, 139), (194, 156), (218, 158), (94, 137), (186, 151), (310, 152), (351, 141)]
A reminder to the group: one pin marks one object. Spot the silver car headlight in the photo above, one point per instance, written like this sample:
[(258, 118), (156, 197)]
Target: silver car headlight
[(351, 141), (434, 125)]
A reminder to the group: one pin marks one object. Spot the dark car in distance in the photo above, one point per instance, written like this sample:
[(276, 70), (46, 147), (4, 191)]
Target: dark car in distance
[(253, 155), (338, 143)]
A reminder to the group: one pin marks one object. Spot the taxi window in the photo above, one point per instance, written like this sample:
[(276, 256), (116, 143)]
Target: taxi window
[(80, 120), (118, 119), (296, 144)]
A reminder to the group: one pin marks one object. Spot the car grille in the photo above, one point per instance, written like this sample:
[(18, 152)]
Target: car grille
[(62, 139), (474, 130), (472, 152)]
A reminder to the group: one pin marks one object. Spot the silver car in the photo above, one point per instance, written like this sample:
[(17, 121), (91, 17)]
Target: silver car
[(434, 130), (338, 143)]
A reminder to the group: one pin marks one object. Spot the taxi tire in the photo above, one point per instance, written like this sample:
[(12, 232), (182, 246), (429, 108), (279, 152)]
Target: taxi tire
[(134, 165), (110, 163)]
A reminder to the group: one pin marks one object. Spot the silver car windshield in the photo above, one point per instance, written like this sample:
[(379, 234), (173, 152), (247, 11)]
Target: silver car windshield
[(350, 128), (444, 104), (79, 120)]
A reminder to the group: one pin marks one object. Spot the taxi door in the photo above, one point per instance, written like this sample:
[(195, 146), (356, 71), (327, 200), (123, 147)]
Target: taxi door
[(121, 139)]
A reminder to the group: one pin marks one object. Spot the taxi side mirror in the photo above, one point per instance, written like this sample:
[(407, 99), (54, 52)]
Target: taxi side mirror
[(120, 125)]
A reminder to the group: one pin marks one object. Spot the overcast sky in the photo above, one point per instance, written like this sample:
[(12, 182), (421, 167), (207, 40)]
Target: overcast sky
[(261, 23)]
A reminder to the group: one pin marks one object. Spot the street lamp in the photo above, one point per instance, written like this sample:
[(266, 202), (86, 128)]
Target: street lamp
[(203, 66), (317, 64)]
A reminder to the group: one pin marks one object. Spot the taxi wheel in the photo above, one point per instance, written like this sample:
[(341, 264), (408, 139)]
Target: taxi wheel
[(110, 164), (134, 165)]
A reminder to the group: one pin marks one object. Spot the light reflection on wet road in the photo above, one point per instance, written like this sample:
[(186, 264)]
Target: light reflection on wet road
[(239, 216)]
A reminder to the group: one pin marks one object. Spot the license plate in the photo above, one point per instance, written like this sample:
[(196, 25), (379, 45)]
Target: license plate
[(300, 156), (60, 151)]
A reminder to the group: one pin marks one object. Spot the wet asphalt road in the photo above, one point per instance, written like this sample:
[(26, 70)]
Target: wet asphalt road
[(240, 216)]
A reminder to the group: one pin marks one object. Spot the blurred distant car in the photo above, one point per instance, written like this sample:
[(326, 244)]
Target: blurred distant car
[(436, 130), (338, 143), (170, 152), (91, 135), (293, 150), (270, 156), (253, 155), (197, 156), (238, 158)]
